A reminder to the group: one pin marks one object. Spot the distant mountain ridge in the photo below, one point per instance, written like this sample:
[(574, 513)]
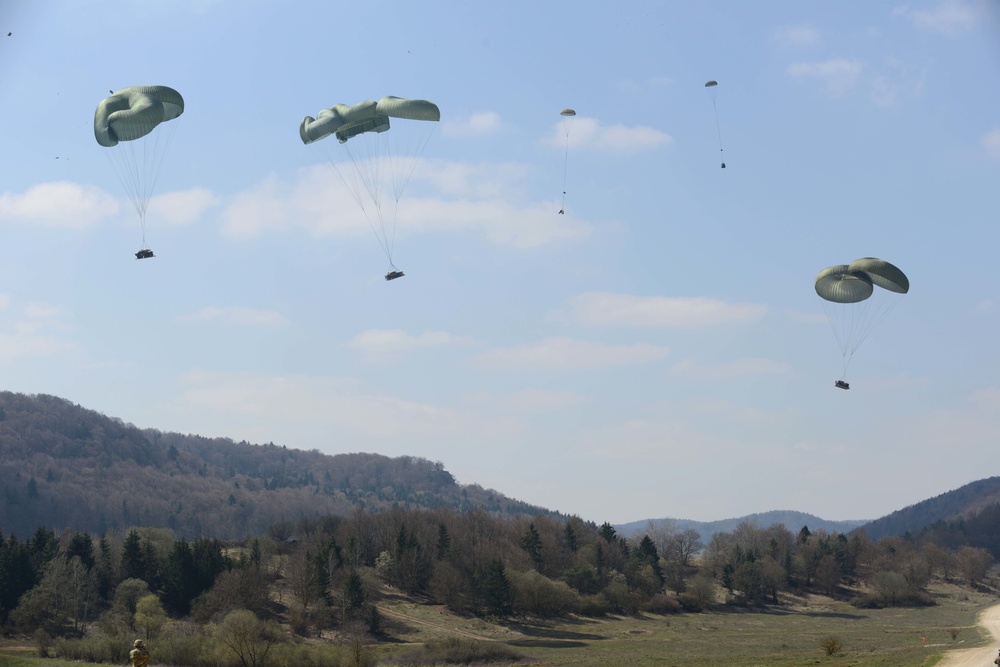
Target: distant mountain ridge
[(793, 521)]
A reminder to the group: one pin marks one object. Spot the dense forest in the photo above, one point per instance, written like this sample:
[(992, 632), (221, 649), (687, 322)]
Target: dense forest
[(63, 466), (84, 597)]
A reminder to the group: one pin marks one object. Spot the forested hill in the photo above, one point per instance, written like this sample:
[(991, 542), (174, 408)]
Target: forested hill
[(960, 504), (64, 466)]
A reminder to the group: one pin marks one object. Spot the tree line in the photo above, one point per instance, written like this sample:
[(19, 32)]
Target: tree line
[(314, 575)]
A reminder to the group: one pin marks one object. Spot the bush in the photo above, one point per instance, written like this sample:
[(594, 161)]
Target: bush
[(306, 655), (457, 651), (832, 645), (662, 604), (594, 606)]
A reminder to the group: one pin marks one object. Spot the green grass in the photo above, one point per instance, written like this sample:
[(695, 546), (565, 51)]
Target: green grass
[(785, 636), (776, 638)]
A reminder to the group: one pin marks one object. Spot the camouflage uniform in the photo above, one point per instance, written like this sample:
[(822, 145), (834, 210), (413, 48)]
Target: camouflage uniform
[(139, 655)]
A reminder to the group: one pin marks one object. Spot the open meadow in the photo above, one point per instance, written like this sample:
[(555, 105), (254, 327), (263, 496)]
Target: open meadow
[(782, 636), (778, 637)]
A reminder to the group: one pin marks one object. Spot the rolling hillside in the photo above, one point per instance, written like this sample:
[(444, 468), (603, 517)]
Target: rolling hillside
[(63, 466)]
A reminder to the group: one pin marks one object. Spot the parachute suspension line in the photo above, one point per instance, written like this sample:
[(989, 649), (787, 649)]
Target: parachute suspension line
[(853, 323), (718, 128), (567, 116), (137, 164), (562, 206), (711, 87), (403, 163)]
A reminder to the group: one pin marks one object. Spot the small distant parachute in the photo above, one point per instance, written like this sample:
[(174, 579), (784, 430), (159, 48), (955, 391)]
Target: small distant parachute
[(853, 306), (567, 116), (370, 155), (711, 87), (128, 124)]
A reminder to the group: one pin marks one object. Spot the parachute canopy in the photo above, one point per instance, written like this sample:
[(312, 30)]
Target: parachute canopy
[(853, 307), (368, 116), (841, 285), (710, 84), (134, 112), (567, 112), (375, 152), (127, 124)]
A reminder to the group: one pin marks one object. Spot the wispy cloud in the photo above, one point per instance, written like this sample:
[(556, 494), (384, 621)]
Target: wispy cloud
[(385, 345), (58, 204), (746, 367), (590, 134), (326, 405), (837, 75), (479, 124), (991, 142), (183, 207), (610, 309), (27, 332), (951, 17), (797, 35), (567, 354), (319, 204), (238, 316)]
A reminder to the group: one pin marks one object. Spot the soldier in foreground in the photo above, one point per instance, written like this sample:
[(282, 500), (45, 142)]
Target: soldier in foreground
[(139, 655)]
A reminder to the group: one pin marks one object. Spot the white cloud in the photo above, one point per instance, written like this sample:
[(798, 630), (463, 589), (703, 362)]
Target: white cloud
[(237, 316), (610, 309), (797, 35), (567, 354), (25, 335), (589, 134), (837, 75), (986, 306), (385, 345), (319, 204), (885, 91), (264, 208), (58, 204), (988, 398), (645, 442), (807, 317), (746, 367), (183, 207), (479, 124), (950, 18), (540, 400), (991, 142), (266, 405)]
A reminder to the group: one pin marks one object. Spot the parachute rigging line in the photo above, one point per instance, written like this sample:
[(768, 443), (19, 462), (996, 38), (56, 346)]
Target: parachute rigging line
[(711, 86), (566, 114)]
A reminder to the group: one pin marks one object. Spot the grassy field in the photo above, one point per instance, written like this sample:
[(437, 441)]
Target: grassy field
[(776, 638), (780, 637)]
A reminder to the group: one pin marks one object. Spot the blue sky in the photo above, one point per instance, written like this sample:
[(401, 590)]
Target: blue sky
[(659, 350)]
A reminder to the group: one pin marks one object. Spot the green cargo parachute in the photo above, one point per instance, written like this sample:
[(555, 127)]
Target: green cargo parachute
[(852, 306), (375, 159), (127, 123)]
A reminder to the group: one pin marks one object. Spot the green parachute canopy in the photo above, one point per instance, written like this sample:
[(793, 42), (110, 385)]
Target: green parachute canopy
[(127, 123), (853, 306), (378, 146)]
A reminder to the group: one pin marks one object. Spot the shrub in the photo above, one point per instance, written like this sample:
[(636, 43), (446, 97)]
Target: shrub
[(662, 604), (457, 651), (594, 606), (831, 645)]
